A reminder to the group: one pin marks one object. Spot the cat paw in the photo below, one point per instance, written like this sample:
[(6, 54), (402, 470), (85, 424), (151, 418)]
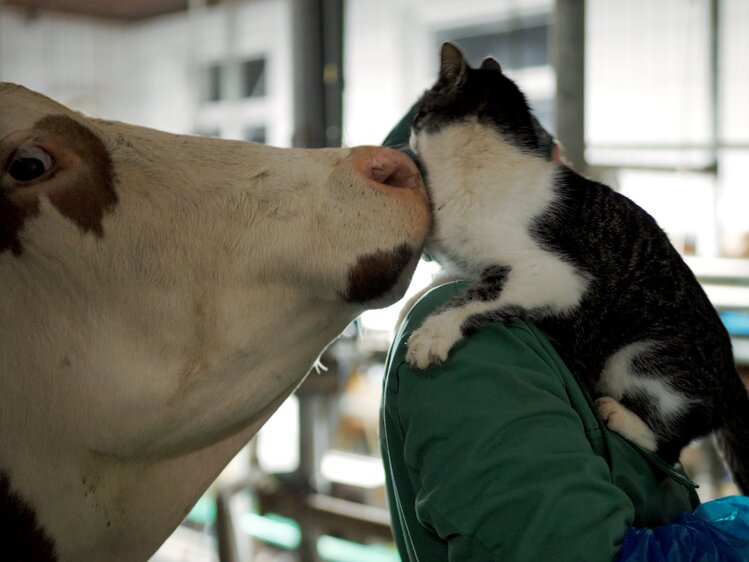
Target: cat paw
[(431, 343), (626, 423)]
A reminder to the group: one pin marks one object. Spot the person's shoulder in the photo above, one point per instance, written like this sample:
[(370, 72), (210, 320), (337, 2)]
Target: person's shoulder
[(502, 363)]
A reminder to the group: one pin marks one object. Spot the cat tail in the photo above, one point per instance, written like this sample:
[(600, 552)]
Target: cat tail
[(733, 442)]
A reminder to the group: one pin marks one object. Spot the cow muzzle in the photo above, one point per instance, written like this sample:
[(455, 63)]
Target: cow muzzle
[(401, 207)]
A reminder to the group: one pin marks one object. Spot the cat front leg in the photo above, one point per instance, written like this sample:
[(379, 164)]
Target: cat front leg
[(459, 317), (434, 339), (432, 342)]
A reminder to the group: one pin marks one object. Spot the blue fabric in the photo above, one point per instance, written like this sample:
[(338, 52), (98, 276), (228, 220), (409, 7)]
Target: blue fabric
[(736, 322), (717, 531)]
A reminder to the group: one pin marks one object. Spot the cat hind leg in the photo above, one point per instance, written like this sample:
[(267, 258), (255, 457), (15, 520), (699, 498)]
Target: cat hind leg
[(643, 379), (626, 423)]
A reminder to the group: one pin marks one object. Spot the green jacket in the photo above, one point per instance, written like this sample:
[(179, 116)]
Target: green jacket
[(500, 454)]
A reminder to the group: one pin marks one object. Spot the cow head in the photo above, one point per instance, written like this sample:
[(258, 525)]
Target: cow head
[(161, 295)]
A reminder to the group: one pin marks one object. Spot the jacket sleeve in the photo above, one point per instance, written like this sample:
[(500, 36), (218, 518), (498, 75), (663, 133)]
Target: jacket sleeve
[(499, 459)]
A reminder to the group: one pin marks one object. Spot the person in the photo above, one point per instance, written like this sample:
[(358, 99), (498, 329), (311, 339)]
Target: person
[(499, 453)]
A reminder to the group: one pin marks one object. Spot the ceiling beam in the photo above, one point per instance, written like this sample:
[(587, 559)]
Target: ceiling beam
[(131, 10)]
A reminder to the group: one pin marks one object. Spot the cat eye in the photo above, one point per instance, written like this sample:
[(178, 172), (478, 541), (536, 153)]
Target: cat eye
[(418, 119), (29, 163)]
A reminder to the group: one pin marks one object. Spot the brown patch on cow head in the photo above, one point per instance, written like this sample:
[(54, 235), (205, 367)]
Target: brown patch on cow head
[(21, 537), (376, 274), (79, 182)]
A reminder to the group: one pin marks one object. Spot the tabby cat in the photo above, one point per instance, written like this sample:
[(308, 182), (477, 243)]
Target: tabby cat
[(585, 264)]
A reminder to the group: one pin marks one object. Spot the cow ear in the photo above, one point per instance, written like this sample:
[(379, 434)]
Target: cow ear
[(453, 66), (490, 63)]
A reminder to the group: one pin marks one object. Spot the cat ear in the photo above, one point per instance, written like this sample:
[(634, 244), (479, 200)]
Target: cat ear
[(453, 66), (490, 63)]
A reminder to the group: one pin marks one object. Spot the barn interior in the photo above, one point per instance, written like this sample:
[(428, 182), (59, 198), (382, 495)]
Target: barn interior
[(648, 97)]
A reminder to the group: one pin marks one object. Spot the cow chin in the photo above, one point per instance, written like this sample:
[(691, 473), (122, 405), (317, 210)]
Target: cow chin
[(381, 277)]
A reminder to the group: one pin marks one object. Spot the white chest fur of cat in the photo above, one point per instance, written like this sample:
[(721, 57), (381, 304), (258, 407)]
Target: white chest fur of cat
[(485, 199)]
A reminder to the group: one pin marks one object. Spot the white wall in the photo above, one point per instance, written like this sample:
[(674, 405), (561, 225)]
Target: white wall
[(392, 54), (144, 73), (648, 84), (734, 126), (647, 72), (735, 70), (75, 60)]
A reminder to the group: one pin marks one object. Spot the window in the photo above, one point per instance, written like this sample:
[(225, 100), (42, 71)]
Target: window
[(213, 76), (234, 99), (250, 79), (254, 134), (522, 48), (208, 132), (515, 48), (253, 78)]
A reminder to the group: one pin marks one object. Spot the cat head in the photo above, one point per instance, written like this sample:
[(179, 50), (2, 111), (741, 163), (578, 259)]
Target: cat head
[(484, 94)]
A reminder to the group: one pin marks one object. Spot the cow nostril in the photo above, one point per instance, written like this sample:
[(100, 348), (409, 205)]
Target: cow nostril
[(392, 169), (402, 178), (394, 177)]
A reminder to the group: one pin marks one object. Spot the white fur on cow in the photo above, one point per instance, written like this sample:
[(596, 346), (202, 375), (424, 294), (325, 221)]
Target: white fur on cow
[(160, 296)]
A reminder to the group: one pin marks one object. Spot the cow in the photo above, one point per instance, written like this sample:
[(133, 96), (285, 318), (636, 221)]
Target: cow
[(160, 296)]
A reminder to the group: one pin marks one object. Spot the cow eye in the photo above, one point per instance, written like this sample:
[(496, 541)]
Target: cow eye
[(29, 163)]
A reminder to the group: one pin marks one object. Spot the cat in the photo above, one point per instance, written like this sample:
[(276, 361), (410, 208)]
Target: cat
[(585, 264)]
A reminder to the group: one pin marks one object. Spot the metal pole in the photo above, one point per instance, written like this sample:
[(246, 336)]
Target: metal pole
[(309, 94), (318, 56), (197, 76), (2, 15), (309, 132), (569, 64), (333, 70), (307, 476), (715, 116), (318, 72)]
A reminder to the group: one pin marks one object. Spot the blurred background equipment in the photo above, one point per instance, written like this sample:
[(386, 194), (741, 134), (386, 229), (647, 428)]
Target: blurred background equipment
[(649, 97)]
